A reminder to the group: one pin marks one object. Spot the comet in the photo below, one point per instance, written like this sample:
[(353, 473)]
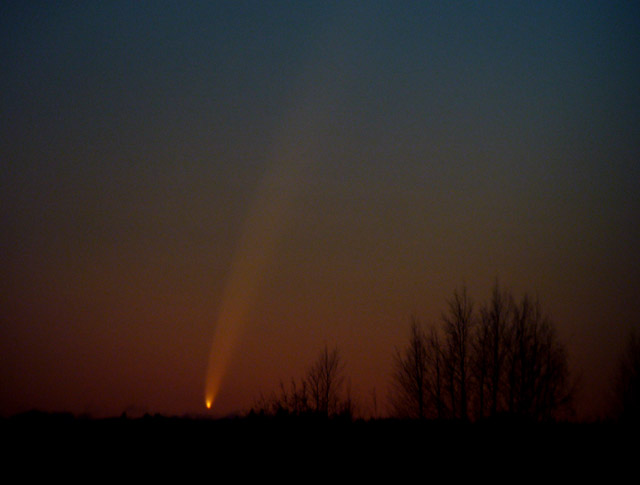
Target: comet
[(265, 225), (294, 151)]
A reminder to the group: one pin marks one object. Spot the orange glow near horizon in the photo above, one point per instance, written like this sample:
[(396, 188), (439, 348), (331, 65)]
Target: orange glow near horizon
[(221, 350), (265, 225), (256, 251)]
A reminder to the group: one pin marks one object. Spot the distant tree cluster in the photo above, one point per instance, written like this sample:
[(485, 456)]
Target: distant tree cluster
[(320, 393), (500, 357)]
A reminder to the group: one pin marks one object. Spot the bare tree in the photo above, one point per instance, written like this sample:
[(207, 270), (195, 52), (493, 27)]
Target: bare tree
[(626, 382), (538, 383), (480, 368), (289, 401), (436, 373), (410, 376), (506, 358), (491, 343), (320, 392), (458, 328), (325, 380)]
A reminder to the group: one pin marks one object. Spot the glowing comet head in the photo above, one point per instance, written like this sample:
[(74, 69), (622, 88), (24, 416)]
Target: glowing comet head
[(257, 248)]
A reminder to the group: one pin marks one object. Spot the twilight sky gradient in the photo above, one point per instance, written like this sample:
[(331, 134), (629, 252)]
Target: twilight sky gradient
[(375, 154)]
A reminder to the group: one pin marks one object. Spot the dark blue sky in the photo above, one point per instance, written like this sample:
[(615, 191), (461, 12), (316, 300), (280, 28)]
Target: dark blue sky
[(415, 146)]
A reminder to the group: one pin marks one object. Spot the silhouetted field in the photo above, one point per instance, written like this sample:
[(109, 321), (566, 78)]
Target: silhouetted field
[(290, 442)]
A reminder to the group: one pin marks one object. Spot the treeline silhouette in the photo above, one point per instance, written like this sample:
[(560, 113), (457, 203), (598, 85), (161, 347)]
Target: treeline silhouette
[(497, 361), (497, 358), (320, 393), (489, 383), (156, 441)]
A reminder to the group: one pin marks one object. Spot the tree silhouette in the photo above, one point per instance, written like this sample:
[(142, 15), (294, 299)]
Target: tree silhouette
[(505, 358), (319, 393), (538, 373), (626, 382), (491, 343), (410, 376), (436, 373), (325, 380), (458, 327)]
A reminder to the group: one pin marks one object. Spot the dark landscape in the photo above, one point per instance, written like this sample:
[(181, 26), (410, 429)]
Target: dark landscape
[(281, 238)]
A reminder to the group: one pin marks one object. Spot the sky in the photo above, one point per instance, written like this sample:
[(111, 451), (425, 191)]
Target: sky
[(287, 175)]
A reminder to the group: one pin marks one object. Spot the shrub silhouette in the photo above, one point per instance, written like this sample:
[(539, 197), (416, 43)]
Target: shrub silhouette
[(320, 393)]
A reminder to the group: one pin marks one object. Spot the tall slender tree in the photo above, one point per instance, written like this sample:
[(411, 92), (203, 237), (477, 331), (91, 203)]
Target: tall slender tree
[(325, 380), (410, 379), (458, 327), (491, 341), (626, 382)]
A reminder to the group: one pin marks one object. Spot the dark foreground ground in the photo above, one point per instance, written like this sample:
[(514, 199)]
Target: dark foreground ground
[(300, 449)]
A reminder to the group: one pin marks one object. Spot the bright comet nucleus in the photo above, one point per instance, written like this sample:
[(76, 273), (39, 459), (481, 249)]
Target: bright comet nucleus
[(294, 152), (257, 248)]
